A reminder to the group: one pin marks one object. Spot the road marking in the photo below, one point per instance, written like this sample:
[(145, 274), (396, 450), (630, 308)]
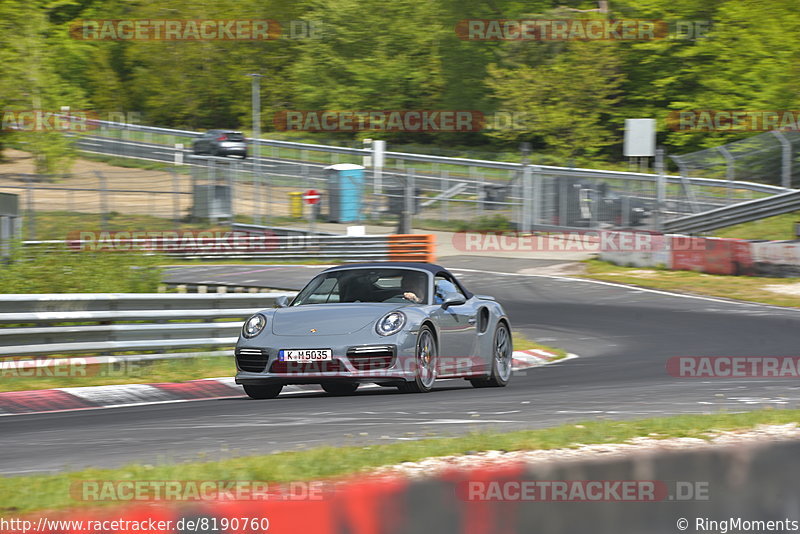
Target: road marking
[(632, 288)]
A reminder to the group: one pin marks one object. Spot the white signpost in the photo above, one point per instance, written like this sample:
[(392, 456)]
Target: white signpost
[(640, 141)]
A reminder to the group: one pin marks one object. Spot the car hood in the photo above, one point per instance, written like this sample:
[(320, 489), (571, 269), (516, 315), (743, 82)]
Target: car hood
[(327, 319)]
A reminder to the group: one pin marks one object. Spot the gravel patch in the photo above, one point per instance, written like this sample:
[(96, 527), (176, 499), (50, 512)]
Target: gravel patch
[(785, 289), (431, 467)]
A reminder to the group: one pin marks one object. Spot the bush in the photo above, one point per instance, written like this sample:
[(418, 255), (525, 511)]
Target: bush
[(487, 223), (60, 270)]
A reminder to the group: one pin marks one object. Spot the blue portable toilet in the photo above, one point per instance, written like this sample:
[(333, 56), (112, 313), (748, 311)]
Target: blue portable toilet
[(345, 190)]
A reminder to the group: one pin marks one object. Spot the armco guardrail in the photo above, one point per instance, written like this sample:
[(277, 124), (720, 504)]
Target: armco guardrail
[(742, 212), (396, 247), (741, 488), (163, 321)]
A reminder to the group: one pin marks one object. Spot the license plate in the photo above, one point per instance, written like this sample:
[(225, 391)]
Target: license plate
[(305, 355)]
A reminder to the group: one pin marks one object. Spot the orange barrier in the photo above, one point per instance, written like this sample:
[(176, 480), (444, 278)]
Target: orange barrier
[(412, 247)]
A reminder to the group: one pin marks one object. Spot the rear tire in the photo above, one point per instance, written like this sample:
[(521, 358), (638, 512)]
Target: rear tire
[(425, 375), (269, 391), (501, 360), (340, 388)]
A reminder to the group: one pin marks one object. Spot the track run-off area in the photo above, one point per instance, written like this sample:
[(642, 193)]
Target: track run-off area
[(623, 335)]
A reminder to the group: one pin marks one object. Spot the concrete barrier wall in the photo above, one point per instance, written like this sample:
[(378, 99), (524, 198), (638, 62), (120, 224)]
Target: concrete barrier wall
[(715, 255), (747, 483), (777, 258)]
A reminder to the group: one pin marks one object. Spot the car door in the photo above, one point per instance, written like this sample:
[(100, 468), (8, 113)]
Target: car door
[(457, 330)]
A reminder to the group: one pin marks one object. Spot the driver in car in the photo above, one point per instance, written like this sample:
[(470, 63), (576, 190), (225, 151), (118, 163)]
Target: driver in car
[(413, 286)]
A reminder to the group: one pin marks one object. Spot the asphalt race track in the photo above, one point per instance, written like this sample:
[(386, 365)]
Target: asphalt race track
[(623, 335)]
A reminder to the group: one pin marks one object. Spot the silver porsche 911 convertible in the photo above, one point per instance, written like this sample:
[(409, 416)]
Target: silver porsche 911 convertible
[(402, 325)]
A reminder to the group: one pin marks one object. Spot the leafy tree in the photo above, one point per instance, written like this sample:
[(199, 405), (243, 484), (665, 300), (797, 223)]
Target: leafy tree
[(566, 102), (31, 79)]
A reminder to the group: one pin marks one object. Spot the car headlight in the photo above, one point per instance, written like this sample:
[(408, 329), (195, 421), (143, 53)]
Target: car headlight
[(254, 325), (391, 323)]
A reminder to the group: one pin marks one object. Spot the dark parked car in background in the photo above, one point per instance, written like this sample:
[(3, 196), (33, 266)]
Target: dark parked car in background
[(221, 143)]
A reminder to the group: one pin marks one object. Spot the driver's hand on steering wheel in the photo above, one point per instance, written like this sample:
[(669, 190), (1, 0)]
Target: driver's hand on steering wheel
[(408, 295)]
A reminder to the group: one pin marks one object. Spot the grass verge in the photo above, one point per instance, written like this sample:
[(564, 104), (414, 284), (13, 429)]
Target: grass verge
[(776, 228), (60, 270), (144, 372), (55, 225), (755, 289), (49, 492)]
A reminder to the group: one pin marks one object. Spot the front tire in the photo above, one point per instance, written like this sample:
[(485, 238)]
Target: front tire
[(269, 391), (425, 372), (501, 360), (340, 388)]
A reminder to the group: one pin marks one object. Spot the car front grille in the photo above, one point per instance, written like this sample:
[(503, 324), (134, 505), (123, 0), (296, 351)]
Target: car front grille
[(332, 366), (371, 358), (251, 360)]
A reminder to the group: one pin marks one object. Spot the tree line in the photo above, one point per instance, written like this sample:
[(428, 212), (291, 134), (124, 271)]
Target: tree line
[(567, 98)]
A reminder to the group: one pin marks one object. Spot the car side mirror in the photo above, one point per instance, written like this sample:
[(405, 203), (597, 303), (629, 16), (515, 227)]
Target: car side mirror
[(282, 301), (453, 299)]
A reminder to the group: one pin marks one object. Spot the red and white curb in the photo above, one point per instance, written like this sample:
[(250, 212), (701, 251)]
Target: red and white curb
[(525, 359), (94, 397)]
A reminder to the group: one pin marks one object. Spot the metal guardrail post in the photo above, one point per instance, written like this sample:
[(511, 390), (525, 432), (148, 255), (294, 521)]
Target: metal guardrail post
[(176, 196), (103, 200), (786, 159), (686, 185), (528, 217), (268, 200), (233, 173), (31, 226), (563, 191), (660, 189), (444, 204), (730, 169)]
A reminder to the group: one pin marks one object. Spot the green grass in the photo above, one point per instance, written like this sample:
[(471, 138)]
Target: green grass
[(60, 270), (56, 225), (734, 287), (135, 163), (775, 228), (49, 492)]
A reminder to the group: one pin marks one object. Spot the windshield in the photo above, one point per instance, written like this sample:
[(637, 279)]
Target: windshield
[(366, 285)]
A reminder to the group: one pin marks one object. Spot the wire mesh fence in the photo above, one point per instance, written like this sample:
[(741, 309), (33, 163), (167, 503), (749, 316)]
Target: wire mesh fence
[(217, 190), (771, 158), (437, 192)]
